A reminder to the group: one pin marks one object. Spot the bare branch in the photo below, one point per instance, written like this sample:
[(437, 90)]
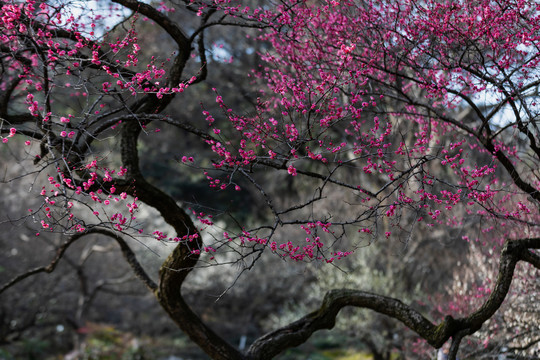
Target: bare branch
[(299, 331), (296, 333), (456, 341), (126, 251), (531, 258), (48, 268), (130, 257), (167, 24)]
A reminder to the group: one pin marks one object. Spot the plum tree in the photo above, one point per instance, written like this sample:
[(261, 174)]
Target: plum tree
[(389, 118)]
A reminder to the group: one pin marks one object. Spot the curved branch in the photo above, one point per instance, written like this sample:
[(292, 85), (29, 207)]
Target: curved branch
[(526, 346), (151, 12), (181, 261), (7, 93), (131, 259), (509, 258), (126, 251), (176, 33), (531, 258), (299, 331), (456, 341), (512, 171), (106, 124), (202, 57), (48, 268), (282, 166)]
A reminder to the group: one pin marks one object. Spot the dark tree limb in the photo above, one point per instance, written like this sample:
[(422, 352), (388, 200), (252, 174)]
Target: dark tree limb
[(301, 330), (48, 268), (296, 333), (512, 252), (531, 258), (526, 346), (162, 20), (510, 168), (126, 251), (149, 103), (454, 347), (131, 259), (181, 261)]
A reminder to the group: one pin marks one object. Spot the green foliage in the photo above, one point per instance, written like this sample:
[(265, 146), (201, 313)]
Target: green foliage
[(328, 346), (346, 354), (108, 343), (334, 354), (6, 355), (35, 349)]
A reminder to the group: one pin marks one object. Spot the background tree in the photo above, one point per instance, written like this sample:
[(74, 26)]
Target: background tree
[(384, 120)]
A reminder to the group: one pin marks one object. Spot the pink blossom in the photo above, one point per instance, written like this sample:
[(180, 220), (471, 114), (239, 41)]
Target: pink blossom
[(291, 170)]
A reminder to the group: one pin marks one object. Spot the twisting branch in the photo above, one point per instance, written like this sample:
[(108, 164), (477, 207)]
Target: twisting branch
[(531, 258), (296, 333), (48, 268), (167, 24), (126, 251), (131, 259), (456, 341), (299, 331), (181, 261)]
